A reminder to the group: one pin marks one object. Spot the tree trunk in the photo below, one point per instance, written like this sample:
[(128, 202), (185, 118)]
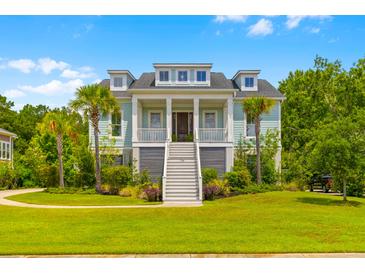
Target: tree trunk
[(344, 191), (97, 156), (258, 151), (60, 162)]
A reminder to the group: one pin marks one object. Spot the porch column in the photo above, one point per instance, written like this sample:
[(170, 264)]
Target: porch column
[(230, 120), (196, 115), (168, 118), (134, 119)]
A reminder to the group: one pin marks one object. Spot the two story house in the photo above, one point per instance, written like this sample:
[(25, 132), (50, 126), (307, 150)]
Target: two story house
[(6, 145), (180, 118)]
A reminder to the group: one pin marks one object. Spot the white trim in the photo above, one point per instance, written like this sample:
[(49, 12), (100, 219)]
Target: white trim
[(161, 118), (215, 118), (111, 136), (187, 76), (8, 148)]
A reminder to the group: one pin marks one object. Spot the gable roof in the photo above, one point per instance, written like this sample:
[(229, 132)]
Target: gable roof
[(7, 132)]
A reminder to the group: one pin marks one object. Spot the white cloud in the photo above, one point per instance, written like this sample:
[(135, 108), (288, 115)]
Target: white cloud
[(293, 21), (13, 93), (262, 28), (54, 87), (231, 18), (72, 74), (315, 30), (47, 65), (333, 40), (23, 65)]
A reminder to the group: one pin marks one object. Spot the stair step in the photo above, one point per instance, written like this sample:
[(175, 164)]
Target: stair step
[(169, 187), (181, 196), (181, 191)]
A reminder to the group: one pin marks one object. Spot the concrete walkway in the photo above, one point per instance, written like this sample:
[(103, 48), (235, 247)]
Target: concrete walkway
[(8, 193)]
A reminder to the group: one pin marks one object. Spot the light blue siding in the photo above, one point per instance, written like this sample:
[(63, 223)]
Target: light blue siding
[(104, 128), (268, 121)]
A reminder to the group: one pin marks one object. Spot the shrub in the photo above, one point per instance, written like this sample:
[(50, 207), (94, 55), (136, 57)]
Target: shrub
[(254, 188), (238, 179), (152, 193), (294, 186), (209, 174), (355, 189), (8, 178), (216, 188), (131, 191), (116, 177)]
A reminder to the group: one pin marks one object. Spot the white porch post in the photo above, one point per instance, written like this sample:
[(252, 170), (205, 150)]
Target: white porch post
[(230, 120), (196, 114), (134, 119), (168, 117)]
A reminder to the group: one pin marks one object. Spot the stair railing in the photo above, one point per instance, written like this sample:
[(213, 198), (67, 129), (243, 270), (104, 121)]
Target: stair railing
[(197, 149), (164, 176)]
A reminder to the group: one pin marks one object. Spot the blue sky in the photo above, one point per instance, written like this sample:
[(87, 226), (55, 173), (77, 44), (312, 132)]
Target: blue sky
[(43, 59)]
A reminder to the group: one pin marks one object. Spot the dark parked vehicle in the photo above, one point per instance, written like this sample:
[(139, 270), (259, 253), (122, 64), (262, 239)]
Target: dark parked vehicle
[(323, 182)]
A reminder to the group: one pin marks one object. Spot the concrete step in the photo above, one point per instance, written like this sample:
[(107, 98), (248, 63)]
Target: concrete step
[(181, 191), (182, 196), (179, 186)]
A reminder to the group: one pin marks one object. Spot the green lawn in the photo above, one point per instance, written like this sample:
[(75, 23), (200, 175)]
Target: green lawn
[(269, 222), (44, 198)]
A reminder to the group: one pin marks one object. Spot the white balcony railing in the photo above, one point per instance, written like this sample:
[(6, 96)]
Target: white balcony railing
[(152, 134), (212, 135)]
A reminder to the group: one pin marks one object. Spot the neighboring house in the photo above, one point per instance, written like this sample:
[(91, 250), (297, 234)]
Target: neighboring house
[(181, 118), (6, 145)]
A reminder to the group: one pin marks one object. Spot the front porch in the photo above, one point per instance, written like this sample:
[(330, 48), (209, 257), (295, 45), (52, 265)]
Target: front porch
[(182, 120)]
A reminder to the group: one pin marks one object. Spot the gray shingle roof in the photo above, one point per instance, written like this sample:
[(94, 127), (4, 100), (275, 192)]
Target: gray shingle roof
[(124, 93), (147, 81), (217, 81), (264, 89)]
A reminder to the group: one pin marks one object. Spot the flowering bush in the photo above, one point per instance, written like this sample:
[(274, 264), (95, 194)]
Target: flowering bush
[(215, 188), (152, 193)]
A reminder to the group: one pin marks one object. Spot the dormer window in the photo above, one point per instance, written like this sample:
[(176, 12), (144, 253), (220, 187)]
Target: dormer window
[(118, 82), (182, 76), (164, 76), (249, 82), (201, 76)]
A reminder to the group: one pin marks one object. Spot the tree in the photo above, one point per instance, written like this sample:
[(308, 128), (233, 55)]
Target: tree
[(94, 100), (57, 124), (7, 115), (339, 149), (254, 107)]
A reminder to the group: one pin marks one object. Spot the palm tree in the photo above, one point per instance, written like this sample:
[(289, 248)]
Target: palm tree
[(94, 100), (254, 107), (57, 123)]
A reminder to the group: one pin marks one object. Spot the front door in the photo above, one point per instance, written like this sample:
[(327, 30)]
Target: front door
[(182, 126)]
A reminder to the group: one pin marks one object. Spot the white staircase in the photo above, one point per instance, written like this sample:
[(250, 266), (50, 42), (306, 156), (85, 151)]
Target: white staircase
[(182, 183)]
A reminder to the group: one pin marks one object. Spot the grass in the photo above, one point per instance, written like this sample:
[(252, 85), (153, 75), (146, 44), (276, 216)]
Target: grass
[(272, 222), (44, 198)]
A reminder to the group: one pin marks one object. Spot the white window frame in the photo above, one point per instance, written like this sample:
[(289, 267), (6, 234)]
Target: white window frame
[(187, 76), (118, 77), (253, 81), (215, 114), (196, 76), (111, 126), (7, 149), (247, 124), (168, 74), (161, 118)]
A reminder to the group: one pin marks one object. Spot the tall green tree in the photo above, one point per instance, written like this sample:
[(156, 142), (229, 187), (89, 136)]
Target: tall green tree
[(57, 123), (7, 115), (94, 100), (254, 107)]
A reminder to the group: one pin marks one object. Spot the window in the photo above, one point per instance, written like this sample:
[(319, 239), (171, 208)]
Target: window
[(118, 82), (155, 120), (249, 82), (164, 76), (182, 76), (5, 150), (210, 120), (201, 76), (117, 124), (250, 126)]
